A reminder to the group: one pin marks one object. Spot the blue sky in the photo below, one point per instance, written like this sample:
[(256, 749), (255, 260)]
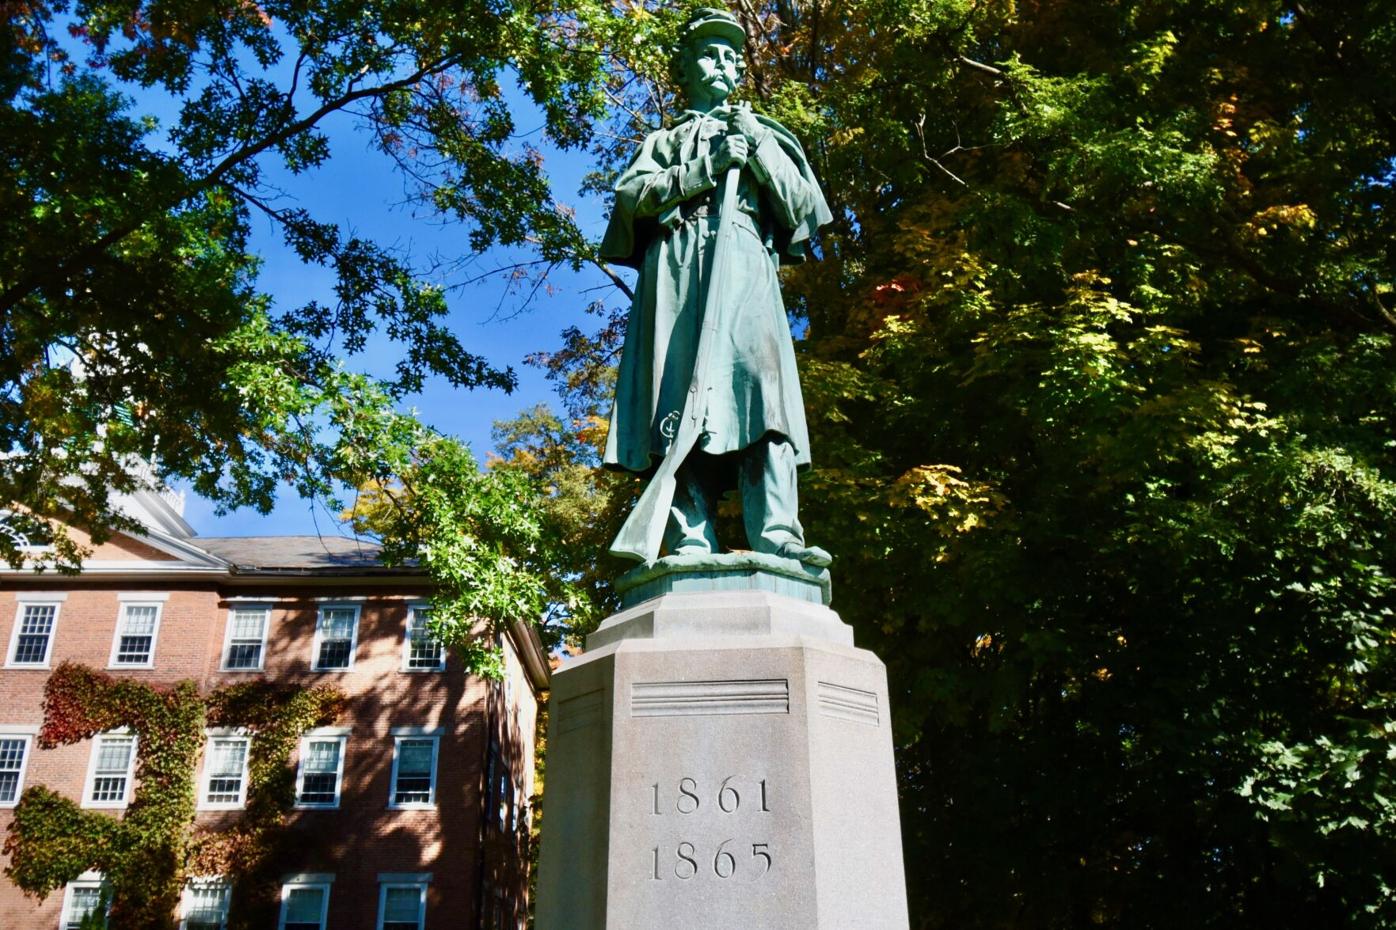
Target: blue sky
[(358, 188)]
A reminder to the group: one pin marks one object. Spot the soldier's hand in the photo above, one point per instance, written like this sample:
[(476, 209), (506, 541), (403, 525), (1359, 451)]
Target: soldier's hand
[(744, 121), (735, 150)]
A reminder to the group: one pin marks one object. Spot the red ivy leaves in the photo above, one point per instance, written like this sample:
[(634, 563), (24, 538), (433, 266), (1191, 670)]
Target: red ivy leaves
[(145, 853), (80, 702)]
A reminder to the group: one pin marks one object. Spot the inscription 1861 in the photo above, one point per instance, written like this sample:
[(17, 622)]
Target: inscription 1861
[(729, 859)]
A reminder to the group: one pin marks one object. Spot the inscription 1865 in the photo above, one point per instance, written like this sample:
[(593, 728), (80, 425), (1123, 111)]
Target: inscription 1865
[(729, 859)]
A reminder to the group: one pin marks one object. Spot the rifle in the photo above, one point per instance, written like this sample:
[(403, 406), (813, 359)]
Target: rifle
[(643, 531)]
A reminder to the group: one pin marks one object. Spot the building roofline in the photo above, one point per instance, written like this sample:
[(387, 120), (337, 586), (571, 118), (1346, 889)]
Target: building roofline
[(147, 572), (181, 548), (529, 647)]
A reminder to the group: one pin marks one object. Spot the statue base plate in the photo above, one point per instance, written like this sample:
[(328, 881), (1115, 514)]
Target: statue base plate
[(725, 571)]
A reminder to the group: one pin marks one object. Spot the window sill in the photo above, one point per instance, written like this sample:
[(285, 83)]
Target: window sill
[(417, 806), (315, 807)]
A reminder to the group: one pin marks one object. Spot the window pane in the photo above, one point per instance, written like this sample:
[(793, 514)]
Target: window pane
[(38, 619), (413, 771), (206, 906), (11, 754), (336, 637), (318, 788), (229, 756), (303, 906), (334, 654), (402, 906), (11, 761), (337, 623), (109, 788), (114, 753), (83, 900), (111, 766), (247, 628), (226, 760), (133, 650), (322, 755), (423, 650), (137, 638), (34, 631), (248, 624), (244, 655), (140, 620), (414, 756), (319, 771)]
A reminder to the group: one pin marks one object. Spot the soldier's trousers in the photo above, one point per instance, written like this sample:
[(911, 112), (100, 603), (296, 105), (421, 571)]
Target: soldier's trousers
[(766, 480)]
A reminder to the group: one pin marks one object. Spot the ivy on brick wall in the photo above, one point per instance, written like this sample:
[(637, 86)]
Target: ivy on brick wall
[(146, 855)]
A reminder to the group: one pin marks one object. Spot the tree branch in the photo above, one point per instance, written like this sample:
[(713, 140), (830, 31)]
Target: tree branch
[(60, 271)]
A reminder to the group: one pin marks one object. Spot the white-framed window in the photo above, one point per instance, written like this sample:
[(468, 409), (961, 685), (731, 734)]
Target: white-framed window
[(82, 898), (31, 642), (414, 768), (336, 636), (204, 905), (421, 651), (245, 642), (14, 757), (133, 646), (111, 770), (225, 772), (320, 775), (402, 901), (305, 902)]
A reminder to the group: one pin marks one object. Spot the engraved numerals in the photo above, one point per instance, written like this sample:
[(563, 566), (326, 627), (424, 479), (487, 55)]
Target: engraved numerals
[(688, 798), (718, 799), (728, 861)]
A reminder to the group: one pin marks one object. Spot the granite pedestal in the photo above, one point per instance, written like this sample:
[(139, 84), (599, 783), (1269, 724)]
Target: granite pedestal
[(721, 759)]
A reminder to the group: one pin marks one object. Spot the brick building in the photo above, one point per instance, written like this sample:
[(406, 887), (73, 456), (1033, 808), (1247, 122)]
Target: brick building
[(419, 794)]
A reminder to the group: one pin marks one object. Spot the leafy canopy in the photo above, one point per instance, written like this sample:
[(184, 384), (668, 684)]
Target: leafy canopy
[(1101, 368), (135, 345)]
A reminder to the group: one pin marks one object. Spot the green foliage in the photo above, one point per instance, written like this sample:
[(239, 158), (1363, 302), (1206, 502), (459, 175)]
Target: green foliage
[(1099, 366), (52, 840), (131, 327), (485, 538), (146, 855)]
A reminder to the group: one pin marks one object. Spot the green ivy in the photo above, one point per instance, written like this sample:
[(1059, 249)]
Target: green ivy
[(146, 855)]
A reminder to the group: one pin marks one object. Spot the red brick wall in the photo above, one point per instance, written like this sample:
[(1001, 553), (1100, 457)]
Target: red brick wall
[(363, 837)]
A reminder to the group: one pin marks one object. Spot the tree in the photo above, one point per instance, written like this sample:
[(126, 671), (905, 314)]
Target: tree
[(1099, 360), (1100, 367), (135, 347)]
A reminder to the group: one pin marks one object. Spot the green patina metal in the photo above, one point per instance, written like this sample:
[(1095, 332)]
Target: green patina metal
[(725, 407), (725, 571)]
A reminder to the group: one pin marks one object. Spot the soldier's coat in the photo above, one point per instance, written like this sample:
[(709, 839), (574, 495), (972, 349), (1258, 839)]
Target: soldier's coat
[(664, 224)]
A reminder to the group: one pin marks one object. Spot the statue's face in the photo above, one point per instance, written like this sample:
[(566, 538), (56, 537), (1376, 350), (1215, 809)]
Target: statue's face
[(712, 68)]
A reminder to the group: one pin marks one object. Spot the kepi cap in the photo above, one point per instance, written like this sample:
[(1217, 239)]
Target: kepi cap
[(711, 21)]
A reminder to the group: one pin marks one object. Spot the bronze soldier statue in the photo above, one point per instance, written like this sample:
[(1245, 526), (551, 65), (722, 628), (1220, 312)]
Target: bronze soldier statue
[(708, 397)]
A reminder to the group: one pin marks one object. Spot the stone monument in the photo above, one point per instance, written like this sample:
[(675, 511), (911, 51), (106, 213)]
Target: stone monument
[(721, 755)]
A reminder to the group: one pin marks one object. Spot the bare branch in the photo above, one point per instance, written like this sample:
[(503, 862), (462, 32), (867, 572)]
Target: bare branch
[(980, 66), (920, 125), (616, 279)]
